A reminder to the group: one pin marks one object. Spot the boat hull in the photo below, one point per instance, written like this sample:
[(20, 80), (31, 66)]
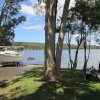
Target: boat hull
[(7, 58)]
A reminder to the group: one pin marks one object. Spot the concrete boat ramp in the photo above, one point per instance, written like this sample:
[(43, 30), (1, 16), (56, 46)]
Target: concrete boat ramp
[(10, 73)]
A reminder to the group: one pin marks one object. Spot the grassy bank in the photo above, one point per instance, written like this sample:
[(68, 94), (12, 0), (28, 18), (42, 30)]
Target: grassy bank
[(29, 87)]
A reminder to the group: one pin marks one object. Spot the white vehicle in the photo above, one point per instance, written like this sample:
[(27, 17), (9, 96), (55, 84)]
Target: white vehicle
[(8, 55)]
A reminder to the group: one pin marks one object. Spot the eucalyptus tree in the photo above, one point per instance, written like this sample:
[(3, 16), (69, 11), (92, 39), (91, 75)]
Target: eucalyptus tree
[(90, 15), (9, 19), (68, 38), (52, 59), (72, 28), (50, 26), (61, 36), (81, 11), (73, 31)]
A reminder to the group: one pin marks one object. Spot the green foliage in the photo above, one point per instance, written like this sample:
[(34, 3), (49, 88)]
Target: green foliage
[(89, 12), (9, 19)]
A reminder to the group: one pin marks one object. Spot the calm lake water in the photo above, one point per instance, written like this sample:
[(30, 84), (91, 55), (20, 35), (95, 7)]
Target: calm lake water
[(39, 57)]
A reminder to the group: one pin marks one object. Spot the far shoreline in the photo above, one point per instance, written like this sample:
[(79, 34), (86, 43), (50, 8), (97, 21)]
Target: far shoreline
[(41, 46)]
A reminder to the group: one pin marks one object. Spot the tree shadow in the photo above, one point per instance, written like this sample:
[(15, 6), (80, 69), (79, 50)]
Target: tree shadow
[(73, 89), (48, 91), (3, 83)]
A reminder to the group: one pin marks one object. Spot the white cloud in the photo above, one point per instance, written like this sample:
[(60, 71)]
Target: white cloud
[(33, 1), (36, 27), (61, 2), (30, 10), (72, 3), (27, 9)]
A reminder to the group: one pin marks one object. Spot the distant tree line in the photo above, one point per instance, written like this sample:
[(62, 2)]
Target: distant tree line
[(39, 46), (30, 45)]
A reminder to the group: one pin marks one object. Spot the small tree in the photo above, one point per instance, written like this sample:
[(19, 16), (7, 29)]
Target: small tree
[(9, 19), (90, 15)]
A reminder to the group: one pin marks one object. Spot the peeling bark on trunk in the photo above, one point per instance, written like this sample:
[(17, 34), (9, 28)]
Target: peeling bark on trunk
[(50, 21)]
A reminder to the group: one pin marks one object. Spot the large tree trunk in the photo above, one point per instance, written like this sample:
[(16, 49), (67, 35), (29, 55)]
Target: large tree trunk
[(50, 22), (61, 36)]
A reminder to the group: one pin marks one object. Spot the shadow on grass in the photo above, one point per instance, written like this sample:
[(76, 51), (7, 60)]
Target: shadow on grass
[(74, 88), (3, 84)]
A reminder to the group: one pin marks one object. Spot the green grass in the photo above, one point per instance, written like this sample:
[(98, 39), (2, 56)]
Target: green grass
[(73, 87)]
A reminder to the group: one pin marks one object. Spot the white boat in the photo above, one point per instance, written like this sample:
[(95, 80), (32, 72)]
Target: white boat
[(8, 55)]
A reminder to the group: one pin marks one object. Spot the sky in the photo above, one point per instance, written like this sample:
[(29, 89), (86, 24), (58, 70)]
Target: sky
[(33, 29)]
